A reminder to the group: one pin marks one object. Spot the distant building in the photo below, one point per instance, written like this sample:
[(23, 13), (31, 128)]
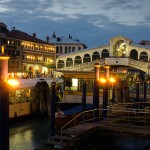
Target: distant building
[(65, 45), (144, 42), (29, 55)]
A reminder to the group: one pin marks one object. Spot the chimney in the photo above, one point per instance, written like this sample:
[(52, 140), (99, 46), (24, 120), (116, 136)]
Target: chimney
[(47, 39), (14, 28), (34, 35)]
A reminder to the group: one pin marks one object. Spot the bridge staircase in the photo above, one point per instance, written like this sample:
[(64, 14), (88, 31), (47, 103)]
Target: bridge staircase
[(144, 66)]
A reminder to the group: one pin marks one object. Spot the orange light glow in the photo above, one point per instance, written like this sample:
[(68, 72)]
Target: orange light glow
[(13, 82), (103, 80), (112, 80)]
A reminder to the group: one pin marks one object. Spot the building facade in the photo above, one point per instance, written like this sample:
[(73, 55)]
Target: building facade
[(29, 55), (66, 45)]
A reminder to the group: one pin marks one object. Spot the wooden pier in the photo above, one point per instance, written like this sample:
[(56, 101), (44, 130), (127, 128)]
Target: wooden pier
[(70, 137), (128, 123)]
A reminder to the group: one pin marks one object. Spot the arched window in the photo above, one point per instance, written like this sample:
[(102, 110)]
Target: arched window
[(73, 49), (69, 49), (69, 62), (77, 60), (66, 50), (86, 58), (60, 64), (105, 53), (60, 49), (95, 56), (134, 54), (144, 56), (57, 49)]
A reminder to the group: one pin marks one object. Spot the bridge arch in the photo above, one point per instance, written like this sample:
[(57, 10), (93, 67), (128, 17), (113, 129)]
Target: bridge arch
[(144, 56), (105, 53), (120, 48), (95, 56), (134, 54), (60, 64), (69, 62), (86, 58), (77, 60)]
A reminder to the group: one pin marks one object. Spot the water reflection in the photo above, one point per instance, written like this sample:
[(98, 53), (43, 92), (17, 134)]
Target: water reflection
[(28, 134)]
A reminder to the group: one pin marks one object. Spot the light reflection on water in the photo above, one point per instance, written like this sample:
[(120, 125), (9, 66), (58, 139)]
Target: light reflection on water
[(28, 134)]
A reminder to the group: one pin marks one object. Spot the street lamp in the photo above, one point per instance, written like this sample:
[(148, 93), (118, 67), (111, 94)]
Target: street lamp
[(96, 91), (106, 82), (145, 90), (4, 101)]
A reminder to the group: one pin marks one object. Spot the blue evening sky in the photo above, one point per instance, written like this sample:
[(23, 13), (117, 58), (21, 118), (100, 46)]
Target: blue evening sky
[(93, 22)]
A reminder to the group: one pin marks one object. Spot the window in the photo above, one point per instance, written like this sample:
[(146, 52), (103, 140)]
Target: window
[(60, 49), (79, 48), (73, 49), (24, 67), (57, 49), (66, 50), (69, 49)]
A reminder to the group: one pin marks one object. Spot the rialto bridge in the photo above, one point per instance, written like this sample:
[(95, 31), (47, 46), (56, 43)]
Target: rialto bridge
[(120, 51)]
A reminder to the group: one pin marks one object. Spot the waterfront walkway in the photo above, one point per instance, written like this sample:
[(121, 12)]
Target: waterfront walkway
[(121, 122)]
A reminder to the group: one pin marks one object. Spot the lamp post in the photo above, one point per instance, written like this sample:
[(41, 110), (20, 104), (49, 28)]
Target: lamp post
[(4, 102), (84, 96), (4, 116), (96, 91), (145, 90), (105, 92), (105, 82), (137, 94), (53, 104)]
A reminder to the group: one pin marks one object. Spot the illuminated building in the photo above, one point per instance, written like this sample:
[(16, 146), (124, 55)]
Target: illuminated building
[(65, 45), (29, 55)]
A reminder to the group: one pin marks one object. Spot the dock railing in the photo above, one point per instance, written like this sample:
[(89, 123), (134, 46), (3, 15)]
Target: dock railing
[(124, 115)]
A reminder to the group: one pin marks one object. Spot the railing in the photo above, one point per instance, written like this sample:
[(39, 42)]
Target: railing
[(139, 64), (84, 66), (122, 115)]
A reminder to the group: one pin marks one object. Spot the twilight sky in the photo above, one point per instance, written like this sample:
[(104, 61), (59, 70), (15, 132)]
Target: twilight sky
[(93, 22)]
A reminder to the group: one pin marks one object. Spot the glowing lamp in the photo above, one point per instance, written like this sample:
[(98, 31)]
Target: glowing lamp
[(112, 80), (103, 80), (12, 82)]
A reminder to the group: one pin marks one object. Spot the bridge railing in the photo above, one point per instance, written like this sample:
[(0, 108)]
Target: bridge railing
[(139, 64), (84, 66)]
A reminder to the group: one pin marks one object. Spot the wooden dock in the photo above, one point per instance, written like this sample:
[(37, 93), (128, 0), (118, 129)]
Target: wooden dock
[(123, 123), (67, 138)]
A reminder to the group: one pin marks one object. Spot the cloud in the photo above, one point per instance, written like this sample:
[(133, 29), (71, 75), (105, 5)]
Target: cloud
[(83, 18)]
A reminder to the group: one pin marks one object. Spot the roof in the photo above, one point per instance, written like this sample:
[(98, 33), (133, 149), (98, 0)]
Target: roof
[(17, 34), (2, 24), (140, 45), (64, 40)]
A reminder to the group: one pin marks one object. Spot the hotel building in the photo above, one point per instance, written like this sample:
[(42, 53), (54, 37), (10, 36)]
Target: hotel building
[(29, 55)]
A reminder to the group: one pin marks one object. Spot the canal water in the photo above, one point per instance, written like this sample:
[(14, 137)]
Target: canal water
[(31, 133), (28, 133)]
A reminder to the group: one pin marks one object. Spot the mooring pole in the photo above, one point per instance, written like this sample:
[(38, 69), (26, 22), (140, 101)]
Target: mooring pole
[(53, 106)]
